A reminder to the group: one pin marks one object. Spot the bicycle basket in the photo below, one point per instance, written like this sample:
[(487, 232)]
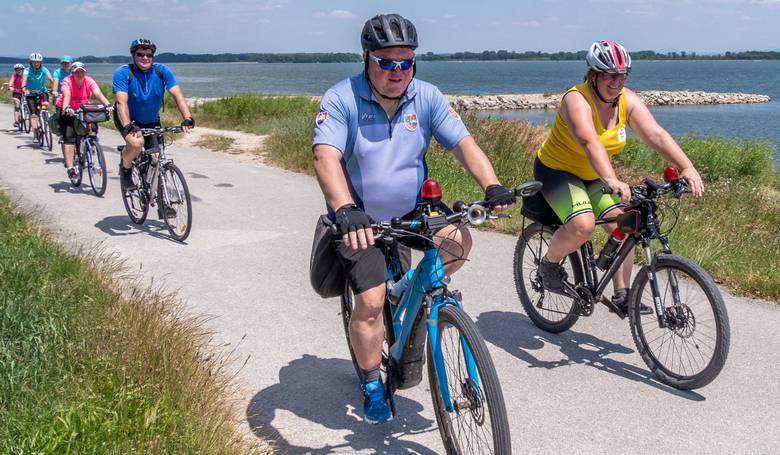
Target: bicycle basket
[(93, 113), (79, 127)]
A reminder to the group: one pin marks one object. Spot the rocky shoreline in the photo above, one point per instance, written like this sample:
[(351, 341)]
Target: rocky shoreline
[(550, 101)]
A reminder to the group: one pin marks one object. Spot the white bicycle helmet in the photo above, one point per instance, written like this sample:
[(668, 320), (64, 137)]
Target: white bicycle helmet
[(36, 57), (18, 66), (608, 57)]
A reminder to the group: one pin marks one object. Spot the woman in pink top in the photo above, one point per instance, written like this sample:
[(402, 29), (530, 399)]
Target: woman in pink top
[(15, 85), (76, 90)]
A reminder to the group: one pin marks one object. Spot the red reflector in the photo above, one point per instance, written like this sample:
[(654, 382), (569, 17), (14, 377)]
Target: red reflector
[(671, 174), (431, 189)]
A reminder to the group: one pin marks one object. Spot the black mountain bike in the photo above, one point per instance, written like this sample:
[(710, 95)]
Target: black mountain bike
[(87, 152), (684, 340), (159, 182)]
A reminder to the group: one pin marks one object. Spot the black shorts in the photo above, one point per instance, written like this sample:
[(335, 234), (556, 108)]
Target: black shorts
[(32, 102), (148, 140), (67, 127), (368, 268)]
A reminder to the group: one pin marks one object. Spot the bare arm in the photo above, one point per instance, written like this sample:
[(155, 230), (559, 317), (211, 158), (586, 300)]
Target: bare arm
[(654, 135), (98, 93), (578, 116), (475, 162), (121, 108), (53, 83), (181, 102), (24, 83), (333, 182), (65, 99)]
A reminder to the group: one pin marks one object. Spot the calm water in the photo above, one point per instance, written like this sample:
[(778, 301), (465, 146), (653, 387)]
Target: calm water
[(758, 121)]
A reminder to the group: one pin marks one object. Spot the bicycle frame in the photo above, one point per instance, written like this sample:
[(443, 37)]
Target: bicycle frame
[(426, 286)]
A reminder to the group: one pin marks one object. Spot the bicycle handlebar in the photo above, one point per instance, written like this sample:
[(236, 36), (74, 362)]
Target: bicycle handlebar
[(652, 190), (159, 130)]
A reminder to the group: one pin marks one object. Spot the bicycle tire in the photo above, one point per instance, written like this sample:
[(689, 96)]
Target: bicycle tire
[(47, 134), (542, 307), (27, 120), (177, 197), (76, 165), (98, 175), (135, 201), (41, 135), (462, 390), (644, 328)]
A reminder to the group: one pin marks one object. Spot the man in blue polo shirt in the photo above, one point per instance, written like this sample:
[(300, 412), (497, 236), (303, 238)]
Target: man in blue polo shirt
[(370, 140), (139, 88)]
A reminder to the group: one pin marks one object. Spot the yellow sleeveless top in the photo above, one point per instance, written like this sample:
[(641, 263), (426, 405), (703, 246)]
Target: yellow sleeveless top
[(560, 151)]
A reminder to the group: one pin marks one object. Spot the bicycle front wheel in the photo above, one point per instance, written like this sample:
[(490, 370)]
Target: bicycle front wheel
[(549, 311), (173, 197), (96, 167), (47, 134), (135, 201), (26, 120), (691, 350), (476, 422)]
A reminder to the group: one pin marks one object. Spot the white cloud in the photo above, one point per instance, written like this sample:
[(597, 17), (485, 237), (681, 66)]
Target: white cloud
[(335, 14), (765, 2), (28, 8), (641, 12), (95, 8), (532, 24)]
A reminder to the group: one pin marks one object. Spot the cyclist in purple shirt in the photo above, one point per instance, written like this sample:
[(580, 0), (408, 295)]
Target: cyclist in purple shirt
[(370, 140)]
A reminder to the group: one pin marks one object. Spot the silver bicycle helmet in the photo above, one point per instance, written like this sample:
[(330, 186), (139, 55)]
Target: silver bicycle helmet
[(608, 57), (36, 57)]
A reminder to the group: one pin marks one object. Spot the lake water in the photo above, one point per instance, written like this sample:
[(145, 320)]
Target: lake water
[(756, 121)]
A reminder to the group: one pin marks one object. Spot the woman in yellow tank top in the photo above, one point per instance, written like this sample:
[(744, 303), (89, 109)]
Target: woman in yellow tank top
[(574, 162)]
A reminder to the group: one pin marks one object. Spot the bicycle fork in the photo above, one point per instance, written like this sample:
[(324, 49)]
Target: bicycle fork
[(436, 302)]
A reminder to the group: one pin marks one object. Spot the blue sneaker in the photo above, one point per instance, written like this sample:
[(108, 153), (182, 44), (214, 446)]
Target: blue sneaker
[(375, 406)]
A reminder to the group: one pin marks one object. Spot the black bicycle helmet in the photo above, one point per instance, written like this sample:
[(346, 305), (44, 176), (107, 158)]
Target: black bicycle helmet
[(142, 43), (388, 30)]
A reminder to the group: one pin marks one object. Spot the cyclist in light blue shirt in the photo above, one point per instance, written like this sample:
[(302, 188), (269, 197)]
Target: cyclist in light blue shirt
[(34, 80), (62, 72), (370, 140)]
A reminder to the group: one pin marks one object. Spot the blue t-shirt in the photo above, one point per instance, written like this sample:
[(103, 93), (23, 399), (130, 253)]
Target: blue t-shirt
[(145, 91), (60, 74), (385, 159), (36, 81)]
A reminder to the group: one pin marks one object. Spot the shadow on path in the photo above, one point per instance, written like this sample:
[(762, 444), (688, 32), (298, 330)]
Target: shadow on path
[(517, 335), (325, 392), (120, 225)]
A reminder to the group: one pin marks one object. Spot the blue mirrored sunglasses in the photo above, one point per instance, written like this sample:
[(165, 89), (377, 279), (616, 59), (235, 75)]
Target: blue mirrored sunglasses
[(391, 65)]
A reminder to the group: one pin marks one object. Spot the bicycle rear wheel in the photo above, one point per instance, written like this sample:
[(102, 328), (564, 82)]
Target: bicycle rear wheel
[(135, 201), (96, 167), (549, 311), (477, 422), (174, 203), (691, 351)]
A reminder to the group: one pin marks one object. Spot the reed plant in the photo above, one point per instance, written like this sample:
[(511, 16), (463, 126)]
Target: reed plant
[(88, 365)]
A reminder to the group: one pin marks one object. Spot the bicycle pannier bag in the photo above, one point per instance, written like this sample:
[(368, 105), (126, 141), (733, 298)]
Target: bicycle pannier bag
[(93, 113), (325, 270)]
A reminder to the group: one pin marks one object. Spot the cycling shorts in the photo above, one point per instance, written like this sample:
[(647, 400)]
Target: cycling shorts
[(148, 140), (67, 127), (570, 196), (32, 102)]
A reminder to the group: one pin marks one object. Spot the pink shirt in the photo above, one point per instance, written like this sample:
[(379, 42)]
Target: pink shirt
[(16, 83), (78, 95)]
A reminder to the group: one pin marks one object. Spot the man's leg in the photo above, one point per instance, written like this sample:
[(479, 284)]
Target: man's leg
[(454, 244)]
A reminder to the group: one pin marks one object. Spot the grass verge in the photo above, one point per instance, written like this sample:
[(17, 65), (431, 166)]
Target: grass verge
[(216, 142), (85, 368)]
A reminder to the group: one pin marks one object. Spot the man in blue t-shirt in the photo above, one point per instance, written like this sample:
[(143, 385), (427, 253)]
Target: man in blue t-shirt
[(370, 140), (139, 88)]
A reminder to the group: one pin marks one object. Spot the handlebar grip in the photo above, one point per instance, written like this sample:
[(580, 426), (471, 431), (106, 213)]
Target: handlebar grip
[(606, 189)]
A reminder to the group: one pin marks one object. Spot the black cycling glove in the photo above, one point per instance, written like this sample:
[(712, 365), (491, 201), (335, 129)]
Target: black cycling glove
[(130, 128), (349, 218), (499, 195), (189, 122)]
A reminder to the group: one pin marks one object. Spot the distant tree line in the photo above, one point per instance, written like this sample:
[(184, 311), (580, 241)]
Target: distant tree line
[(342, 57)]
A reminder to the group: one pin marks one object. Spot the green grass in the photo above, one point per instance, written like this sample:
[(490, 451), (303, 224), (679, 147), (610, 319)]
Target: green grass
[(84, 369), (259, 114), (216, 142)]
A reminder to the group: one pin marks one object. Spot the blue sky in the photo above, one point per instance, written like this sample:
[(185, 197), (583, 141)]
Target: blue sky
[(105, 27)]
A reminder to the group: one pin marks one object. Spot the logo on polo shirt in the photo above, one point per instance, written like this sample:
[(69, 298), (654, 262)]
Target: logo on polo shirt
[(322, 117), (410, 122)]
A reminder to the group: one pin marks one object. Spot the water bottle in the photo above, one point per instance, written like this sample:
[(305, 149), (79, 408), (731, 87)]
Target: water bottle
[(397, 291), (610, 249)]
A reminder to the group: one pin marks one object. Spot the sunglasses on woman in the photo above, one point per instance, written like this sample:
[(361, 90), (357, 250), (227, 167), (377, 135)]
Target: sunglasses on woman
[(391, 65)]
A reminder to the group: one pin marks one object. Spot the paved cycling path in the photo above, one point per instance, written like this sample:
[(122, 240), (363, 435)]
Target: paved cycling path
[(246, 262)]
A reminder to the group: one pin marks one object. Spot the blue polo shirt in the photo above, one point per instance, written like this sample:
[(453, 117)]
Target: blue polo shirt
[(36, 80), (384, 159), (145, 91)]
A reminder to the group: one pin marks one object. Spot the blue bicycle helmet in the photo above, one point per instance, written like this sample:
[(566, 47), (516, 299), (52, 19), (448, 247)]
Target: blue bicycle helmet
[(139, 43), (66, 59)]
